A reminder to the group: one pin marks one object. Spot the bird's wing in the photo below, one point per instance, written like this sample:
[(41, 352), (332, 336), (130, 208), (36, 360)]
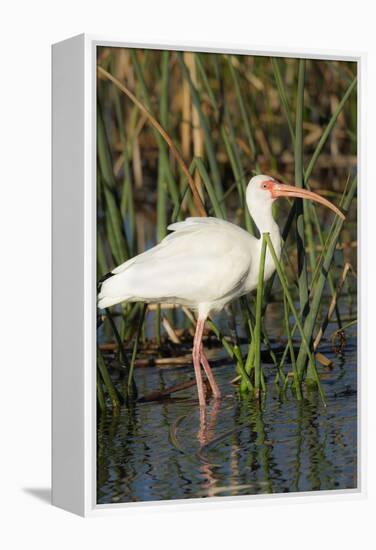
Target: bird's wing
[(195, 223), (186, 227), (203, 260)]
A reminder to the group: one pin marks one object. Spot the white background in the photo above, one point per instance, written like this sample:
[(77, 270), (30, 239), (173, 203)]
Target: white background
[(27, 30)]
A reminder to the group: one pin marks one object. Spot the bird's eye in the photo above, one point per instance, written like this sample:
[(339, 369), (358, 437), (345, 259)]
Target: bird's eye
[(264, 185)]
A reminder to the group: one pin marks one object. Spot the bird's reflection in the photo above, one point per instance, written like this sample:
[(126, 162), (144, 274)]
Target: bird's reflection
[(248, 415), (208, 422), (205, 435)]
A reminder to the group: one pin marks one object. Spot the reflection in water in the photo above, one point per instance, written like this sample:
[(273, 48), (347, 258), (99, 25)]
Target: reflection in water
[(208, 421), (166, 450)]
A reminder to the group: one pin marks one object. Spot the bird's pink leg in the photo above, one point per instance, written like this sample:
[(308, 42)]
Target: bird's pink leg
[(209, 373), (196, 355)]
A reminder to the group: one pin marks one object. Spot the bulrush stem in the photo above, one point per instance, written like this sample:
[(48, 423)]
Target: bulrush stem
[(100, 395), (132, 390), (107, 381), (118, 339), (332, 306), (259, 382), (283, 95), (299, 179), (234, 353), (284, 283), (291, 349), (318, 290)]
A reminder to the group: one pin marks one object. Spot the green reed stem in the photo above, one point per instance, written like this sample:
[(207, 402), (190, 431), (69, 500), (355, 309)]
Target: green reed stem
[(107, 380), (162, 185), (176, 213), (100, 395), (284, 283), (119, 341), (209, 188), (229, 137), (250, 361), (316, 221), (283, 96), (127, 208), (310, 320), (132, 390), (242, 108), (102, 267), (234, 353), (205, 80), (291, 349), (158, 322), (106, 181), (257, 329), (228, 347), (115, 227), (299, 182), (103, 149)]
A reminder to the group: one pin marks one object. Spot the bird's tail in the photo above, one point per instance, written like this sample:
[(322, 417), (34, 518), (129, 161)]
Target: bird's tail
[(108, 291), (104, 301)]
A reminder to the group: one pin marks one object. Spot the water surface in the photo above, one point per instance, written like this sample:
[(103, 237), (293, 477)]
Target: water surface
[(164, 450)]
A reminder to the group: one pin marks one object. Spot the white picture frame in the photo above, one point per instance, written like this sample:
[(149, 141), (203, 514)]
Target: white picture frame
[(74, 276)]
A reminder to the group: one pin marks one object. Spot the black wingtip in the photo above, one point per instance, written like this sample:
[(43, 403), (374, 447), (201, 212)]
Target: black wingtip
[(103, 279)]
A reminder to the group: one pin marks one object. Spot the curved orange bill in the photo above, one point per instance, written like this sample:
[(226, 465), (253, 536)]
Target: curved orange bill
[(282, 190)]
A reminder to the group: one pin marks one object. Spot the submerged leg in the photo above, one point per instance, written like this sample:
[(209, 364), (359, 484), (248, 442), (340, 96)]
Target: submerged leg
[(209, 373), (196, 354)]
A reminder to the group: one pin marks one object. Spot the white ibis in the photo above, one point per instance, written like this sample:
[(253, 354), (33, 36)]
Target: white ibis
[(204, 264)]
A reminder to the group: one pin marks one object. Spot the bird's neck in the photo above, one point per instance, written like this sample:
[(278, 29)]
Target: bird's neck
[(263, 218)]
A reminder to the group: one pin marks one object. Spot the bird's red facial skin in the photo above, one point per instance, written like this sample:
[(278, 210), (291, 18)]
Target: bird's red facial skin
[(269, 185)]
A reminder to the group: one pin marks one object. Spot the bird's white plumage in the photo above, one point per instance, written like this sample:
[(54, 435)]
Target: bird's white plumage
[(204, 263)]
